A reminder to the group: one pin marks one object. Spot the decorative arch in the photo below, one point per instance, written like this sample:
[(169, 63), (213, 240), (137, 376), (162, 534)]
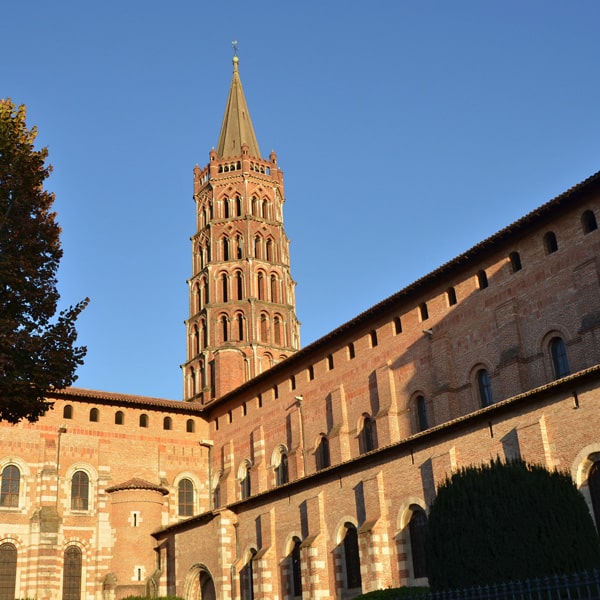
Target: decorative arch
[(481, 385), (199, 584), (554, 350), (412, 524)]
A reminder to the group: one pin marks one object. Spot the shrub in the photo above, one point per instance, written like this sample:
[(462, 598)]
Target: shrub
[(507, 521)]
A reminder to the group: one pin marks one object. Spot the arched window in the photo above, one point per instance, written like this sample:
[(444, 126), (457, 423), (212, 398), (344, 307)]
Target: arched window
[(482, 280), (204, 332), (10, 486), (264, 329), (226, 208), (422, 421), (246, 579), (239, 247), (224, 287), (80, 491), (261, 286), (550, 242), (451, 296), (72, 574), (594, 489), (353, 579), (588, 221), (366, 439), (423, 311), (257, 247), (224, 328), (277, 331), (239, 326), (270, 250), (245, 485), (484, 387), (296, 569), (515, 261), (143, 420), (417, 530), (67, 411), (281, 470), (8, 571), (119, 418), (190, 426), (238, 206), (322, 457), (185, 498), (560, 360), (225, 245), (239, 285), (274, 294), (94, 415), (206, 295), (167, 423)]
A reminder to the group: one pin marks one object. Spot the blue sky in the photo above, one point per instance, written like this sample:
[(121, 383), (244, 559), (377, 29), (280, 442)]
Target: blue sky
[(407, 131)]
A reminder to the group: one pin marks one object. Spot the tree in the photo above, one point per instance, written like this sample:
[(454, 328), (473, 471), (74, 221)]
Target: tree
[(37, 351), (507, 521)]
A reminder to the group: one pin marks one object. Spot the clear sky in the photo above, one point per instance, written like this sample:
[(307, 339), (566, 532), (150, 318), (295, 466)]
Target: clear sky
[(408, 131)]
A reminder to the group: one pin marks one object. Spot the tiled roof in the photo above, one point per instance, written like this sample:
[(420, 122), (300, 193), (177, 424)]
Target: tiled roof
[(100, 397), (137, 484)]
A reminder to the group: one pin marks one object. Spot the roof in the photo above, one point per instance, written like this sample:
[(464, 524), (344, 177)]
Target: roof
[(137, 484), (128, 400), (478, 252), (237, 126)]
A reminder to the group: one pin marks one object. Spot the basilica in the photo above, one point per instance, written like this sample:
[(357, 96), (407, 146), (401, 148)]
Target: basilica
[(291, 472)]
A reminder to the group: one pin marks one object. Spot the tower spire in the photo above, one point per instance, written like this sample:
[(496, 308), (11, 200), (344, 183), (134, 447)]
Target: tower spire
[(242, 317), (237, 126)]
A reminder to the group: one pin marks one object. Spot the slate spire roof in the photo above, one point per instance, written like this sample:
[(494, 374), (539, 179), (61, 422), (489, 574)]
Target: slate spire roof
[(237, 126)]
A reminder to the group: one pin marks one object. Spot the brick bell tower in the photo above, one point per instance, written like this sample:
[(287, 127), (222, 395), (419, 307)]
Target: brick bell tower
[(242, 304)]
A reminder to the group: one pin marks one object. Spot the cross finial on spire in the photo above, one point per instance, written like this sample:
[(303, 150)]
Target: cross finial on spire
[(235, 47)]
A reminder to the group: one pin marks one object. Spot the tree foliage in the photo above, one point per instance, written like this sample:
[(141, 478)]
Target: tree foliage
[(37, 351), (508, 521)]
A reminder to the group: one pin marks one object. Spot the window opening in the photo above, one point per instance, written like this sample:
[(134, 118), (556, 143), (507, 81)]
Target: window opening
[(515, 261), (185, 498), (397, 325), (482, 280), (485, 388), (72, 574), (417, 530), (550, 242), (80, 489), (423, 311), (422, 421), (322, 454), (8, 571), (9, 488), (560, 360), (588, 221), (373, 338), (451, 296), (352, 557)]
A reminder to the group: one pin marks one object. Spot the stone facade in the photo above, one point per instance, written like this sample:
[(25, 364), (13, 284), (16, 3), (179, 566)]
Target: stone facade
[(311, 476)]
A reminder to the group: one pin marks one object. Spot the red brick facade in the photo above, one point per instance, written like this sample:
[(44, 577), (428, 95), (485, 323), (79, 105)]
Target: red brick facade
[(313, 477)]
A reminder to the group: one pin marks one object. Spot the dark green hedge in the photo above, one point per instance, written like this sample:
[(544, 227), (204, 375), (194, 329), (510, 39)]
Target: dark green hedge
[(507, 521)]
